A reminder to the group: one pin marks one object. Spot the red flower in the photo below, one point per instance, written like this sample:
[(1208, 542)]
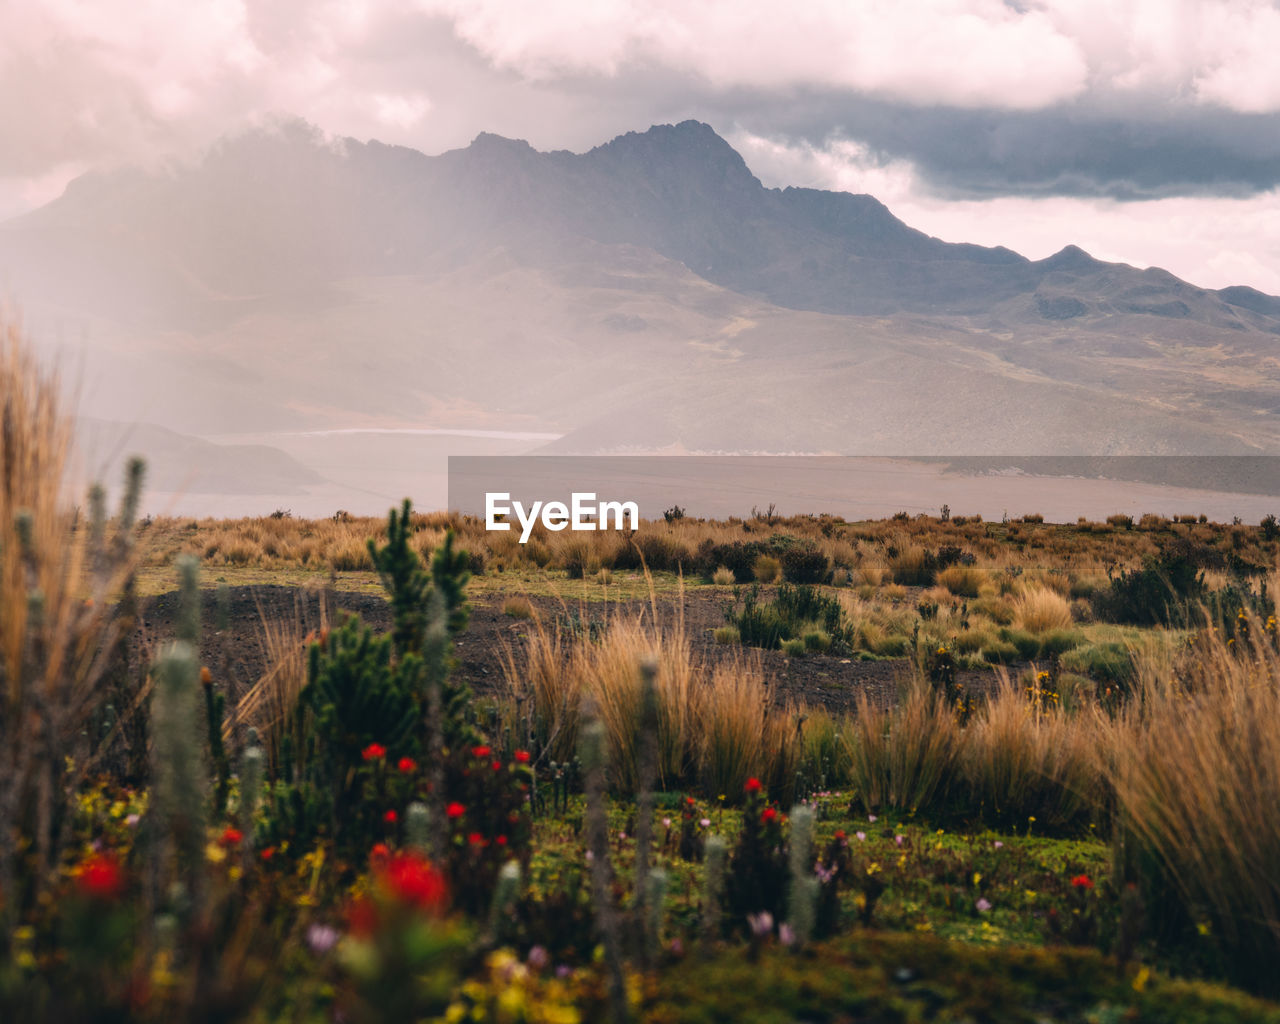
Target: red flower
[(362, 917), (455, 810), (496, 766), (1082, 882), (476, 839), (390, 817), (406, 765), (501, 840), (752, 785), (101, 877), (480, 753), (231, 837), (840, 833), (379, 854), (374, 752), (412, 880), (522, 757), (768, 815), (267, 854)]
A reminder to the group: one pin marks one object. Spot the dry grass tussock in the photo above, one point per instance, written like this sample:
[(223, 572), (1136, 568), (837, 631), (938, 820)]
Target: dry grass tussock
[(268, 704), (1028, 767), (716, 727), (1196, 766), (61, 574), (1039, 609), (905, 757)]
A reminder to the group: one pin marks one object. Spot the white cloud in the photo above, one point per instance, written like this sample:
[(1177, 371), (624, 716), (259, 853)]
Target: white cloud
[(957, 52)]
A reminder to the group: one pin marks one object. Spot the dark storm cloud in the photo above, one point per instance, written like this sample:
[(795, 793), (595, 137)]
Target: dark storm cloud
[(1064, 151)]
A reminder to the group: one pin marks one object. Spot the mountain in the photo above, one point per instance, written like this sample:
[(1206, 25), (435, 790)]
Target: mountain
[(648, 294)]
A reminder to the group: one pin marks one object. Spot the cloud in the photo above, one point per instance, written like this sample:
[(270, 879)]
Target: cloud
[(960, 52), (1210, 241), (961, 100)]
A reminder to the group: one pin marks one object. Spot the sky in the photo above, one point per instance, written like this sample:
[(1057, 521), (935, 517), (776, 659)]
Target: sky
[(1145, 131)]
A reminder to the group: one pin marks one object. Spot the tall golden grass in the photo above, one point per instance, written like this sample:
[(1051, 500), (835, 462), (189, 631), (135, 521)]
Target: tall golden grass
[(1025, 766), (716, 725), (268, 704), (1038, 609), (904, 757), (1196, 767), (59, 575)]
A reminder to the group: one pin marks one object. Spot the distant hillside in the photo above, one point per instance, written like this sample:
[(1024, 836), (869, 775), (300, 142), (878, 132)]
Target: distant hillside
[(648, 294)]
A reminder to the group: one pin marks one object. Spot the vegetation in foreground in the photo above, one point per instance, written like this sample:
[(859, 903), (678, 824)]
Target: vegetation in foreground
[(636, 831)]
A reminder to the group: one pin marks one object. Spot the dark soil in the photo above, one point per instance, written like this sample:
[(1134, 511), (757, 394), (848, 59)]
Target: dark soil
[(235, 621)]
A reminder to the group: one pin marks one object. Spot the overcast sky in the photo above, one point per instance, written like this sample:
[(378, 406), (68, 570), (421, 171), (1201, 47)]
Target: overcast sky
[(1146, 131)]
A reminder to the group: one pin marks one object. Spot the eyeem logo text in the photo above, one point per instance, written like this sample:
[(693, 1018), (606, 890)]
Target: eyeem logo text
[(582, 513)]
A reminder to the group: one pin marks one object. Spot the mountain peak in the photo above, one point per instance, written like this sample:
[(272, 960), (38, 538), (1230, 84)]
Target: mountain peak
[(488, 142), (1069, 257), (688, 151)]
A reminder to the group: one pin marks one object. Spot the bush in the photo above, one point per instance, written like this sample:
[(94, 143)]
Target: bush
[(961, 580), (913, 567), (794, 648), (1039, 609), (906, 758), (817, 640), (723, 577), (579, 559), (1197, 782), (1026, 644), (805, 565), (518, 608), (1022, 763), (739, 558), (1158, 594), (1109, 663), (658, 551), (767, 569), (727, 635)]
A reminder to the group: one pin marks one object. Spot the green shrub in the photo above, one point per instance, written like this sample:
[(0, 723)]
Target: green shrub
[(1026, 644), (1158, 594), (817, 640), (794, 648), (805, 565), (767, 569), (1109, 662), (727, 635), (1059, 641)]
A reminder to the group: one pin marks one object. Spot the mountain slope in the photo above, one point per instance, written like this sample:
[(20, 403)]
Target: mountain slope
[(648, 293)]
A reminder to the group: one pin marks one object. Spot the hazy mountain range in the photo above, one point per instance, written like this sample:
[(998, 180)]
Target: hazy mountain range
[(648, 294)]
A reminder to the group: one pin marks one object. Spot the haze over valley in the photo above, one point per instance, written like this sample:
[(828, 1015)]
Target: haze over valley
[(649, 295)]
